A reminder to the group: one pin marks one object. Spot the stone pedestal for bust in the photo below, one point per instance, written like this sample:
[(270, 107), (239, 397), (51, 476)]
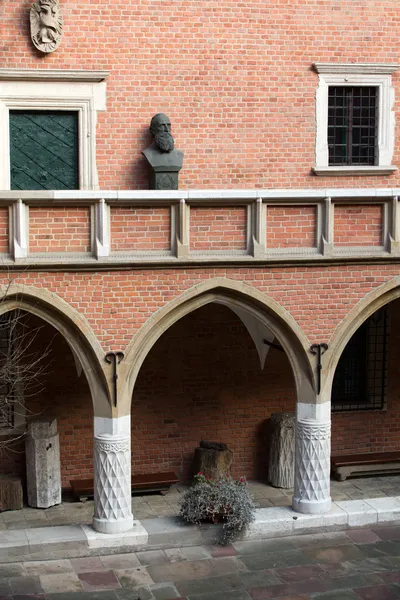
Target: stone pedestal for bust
[(43, 471), (164, 167), (282, 450)]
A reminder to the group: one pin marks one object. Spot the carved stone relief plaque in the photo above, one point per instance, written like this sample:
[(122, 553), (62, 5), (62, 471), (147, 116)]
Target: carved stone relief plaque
[(46, 25)]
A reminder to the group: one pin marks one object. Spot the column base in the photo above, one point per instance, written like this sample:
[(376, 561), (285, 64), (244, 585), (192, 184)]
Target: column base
[(110, 526), (313, 507)]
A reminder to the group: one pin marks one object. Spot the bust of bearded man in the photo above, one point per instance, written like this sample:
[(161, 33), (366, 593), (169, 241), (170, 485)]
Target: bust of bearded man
[(164, 160)]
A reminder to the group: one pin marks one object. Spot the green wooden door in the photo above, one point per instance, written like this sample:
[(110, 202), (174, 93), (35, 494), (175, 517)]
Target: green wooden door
[(44, 150)]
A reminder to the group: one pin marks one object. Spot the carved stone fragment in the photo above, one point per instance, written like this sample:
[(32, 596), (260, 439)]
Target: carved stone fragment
[(46, 25), (281, 451), (43, 472), (212, 462)]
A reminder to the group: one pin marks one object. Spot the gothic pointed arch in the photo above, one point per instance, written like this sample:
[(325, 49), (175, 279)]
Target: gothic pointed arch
[(72, 325), (239, 297)]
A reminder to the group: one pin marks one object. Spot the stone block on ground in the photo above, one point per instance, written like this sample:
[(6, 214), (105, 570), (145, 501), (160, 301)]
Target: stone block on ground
[(11, 493), (43, 470), (212, 461), (281, 450)]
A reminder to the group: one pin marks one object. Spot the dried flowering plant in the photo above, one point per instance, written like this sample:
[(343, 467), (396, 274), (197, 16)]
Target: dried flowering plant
[(224, 500)]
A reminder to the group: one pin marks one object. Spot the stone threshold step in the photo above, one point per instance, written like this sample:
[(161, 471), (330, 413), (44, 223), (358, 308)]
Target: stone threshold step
[(81, 540)]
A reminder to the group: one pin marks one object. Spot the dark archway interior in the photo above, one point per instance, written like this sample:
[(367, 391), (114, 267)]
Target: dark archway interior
[(202, 380), (61, 391)]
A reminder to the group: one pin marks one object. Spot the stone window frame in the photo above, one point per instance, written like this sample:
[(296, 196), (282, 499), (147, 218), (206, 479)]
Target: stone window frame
[(50, 89), (353, 75)]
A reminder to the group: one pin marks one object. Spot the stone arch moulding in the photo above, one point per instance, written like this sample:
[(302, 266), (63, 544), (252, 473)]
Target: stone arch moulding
[(73, 327), (366, 307), (239, 297)]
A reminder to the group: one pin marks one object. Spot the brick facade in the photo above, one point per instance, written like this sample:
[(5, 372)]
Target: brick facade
[(235, 80)]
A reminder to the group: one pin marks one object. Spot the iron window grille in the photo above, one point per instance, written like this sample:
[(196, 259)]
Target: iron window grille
[(360, 379), (352, 125)]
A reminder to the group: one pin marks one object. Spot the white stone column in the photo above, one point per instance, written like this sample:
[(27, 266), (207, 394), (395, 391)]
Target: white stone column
[(312, 461), (112, 475)]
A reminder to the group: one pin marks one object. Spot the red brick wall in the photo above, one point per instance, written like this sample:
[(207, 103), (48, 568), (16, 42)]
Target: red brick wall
[(4, 229), (235, 79), (217, 228), (291, 226), (358, 225), (59, 229), (140, 229)]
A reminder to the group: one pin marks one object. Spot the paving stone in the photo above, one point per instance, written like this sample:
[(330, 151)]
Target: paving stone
[(11, 570), (188, 553), (27, 597), (299, 573), (226, 595), (379, 592), (98, 580), (47, 567), (139, 593), (5, 588), (218, 551), (209, 585), (152, 557), (362, 536), (276, 560), (26, 585), (381, 549), (120, 561), (387, 533), (285, 589), (90, 563), (334, 553), (351, 581), (258, 579), (108, 595), (164, 591), (62, 582), (341, 595), (367, 565), (195, 569), (135, 577), (263, 546), (317, 540)]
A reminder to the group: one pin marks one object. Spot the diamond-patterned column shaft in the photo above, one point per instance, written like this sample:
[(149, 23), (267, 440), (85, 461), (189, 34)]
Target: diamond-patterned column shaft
[(112, 484), (312, 466)]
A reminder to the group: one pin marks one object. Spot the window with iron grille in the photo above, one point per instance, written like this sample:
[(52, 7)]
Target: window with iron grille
[(355, 119), (361, 374), (352, 125)]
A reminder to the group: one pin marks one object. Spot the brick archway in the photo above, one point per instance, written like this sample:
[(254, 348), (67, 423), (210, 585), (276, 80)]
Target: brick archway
[(372, 302), (72, 326), (237, 296)]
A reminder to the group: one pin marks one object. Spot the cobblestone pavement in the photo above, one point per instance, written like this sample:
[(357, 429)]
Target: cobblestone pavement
[(359, 564), (156, 505)]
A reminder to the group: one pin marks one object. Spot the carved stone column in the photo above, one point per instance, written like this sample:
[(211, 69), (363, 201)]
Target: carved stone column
[(312, 466), (112, 475)]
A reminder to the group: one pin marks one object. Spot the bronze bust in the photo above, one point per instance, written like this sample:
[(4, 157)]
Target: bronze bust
[(164, 160)]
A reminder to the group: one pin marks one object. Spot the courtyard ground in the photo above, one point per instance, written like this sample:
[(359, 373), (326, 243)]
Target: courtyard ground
[(362, 564)]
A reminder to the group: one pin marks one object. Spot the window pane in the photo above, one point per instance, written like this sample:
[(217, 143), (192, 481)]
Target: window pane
[(352, 125), (44, 150)]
